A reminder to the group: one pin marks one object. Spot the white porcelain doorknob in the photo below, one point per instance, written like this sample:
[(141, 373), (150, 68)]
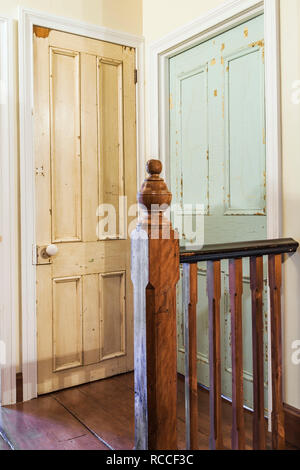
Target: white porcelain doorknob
[(51, 250)]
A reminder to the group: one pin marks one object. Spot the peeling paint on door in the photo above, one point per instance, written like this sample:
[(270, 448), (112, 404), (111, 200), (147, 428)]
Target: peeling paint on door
[(218, 112)]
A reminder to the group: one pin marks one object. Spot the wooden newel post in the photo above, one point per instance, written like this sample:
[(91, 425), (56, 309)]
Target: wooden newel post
[(155, 273)]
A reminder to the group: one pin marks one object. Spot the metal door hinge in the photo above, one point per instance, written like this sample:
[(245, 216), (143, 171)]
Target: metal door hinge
[(135, 76)]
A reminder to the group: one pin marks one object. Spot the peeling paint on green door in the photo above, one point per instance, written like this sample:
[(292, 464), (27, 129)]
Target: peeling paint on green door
[(217, 159)]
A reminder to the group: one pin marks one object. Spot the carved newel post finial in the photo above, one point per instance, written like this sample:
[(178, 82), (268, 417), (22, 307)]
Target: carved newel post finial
[(155, 273), (154, 195)]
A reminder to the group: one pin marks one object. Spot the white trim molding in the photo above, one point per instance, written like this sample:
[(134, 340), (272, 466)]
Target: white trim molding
[(27, 19), (273, 118), (216, 21), (8, 245)]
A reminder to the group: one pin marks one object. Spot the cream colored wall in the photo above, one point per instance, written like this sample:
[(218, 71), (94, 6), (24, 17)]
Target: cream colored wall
[(121, 15), (161, 17), (290, 67)]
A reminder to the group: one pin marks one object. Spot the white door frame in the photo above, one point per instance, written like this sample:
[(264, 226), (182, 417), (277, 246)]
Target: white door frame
[(27, 19), (216, 21), (8, 211)]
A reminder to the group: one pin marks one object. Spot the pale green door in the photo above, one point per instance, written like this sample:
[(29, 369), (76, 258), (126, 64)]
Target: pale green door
[(217, 158)]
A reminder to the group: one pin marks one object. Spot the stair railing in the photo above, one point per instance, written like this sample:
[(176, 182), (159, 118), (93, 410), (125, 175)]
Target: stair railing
[(156, 259)]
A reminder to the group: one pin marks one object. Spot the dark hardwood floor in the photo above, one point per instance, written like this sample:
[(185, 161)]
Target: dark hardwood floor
[(96, 416)]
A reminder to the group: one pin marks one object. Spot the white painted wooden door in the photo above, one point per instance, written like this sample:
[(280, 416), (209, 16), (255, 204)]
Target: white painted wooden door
[(85, 153)]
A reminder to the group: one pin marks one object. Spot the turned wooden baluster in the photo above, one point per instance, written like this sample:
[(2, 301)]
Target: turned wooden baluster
[(155, 273), (236, 292), (190, 298), (257, 285), (275, 279), (214, 296)]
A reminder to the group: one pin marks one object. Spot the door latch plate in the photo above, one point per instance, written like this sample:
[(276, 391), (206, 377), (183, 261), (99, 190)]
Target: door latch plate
[(40, 257)]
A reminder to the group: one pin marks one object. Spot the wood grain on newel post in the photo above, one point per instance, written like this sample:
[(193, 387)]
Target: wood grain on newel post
[(155, 273)]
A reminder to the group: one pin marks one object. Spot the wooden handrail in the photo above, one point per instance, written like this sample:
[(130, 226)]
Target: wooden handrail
[(235, 253), (246, 249), (156, 260)]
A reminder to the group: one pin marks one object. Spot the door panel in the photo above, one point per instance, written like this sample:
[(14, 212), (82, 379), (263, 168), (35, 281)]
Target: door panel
[(65, 145), (85, 147), (111, 184), (217, 159), (89, 144), (194, 135), (244, 133), (112, 315), (67, 323)]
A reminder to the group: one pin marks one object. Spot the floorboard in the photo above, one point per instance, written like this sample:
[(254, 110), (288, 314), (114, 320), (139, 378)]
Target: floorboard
[(98, 416), (111, 418), (45, 424)]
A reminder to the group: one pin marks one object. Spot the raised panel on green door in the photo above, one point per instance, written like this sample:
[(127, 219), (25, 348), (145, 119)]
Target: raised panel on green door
[(244, 132)]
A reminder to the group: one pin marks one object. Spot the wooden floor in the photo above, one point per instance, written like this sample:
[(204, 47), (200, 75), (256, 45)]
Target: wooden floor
[(96, 416)]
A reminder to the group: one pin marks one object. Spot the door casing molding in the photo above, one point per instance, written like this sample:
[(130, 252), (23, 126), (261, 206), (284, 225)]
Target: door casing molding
[(216, 21), (8, 245), (27, 19)]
